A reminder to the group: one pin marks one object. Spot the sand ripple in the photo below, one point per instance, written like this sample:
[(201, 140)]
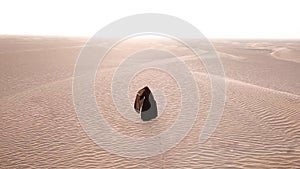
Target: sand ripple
[(260, 127)]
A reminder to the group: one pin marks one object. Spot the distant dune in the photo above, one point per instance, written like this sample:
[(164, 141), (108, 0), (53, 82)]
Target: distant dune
[(288, 54), (260, 126)]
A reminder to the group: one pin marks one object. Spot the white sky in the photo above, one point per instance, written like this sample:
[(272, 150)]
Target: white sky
[(215, 18)]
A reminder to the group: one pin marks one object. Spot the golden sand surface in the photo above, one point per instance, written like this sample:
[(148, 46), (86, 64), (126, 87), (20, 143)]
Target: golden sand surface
[(260, 126)]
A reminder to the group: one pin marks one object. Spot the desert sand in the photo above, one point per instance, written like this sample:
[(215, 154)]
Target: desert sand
[(260, 126)]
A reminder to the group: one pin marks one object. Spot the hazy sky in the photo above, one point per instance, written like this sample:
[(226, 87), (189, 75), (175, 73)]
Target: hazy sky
[(216, 19)]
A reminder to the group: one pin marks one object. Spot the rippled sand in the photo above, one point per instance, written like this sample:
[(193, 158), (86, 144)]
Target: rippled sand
[(260, 126)]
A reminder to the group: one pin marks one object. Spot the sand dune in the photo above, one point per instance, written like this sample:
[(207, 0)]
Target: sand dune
[(287, 54), (260, 126)]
